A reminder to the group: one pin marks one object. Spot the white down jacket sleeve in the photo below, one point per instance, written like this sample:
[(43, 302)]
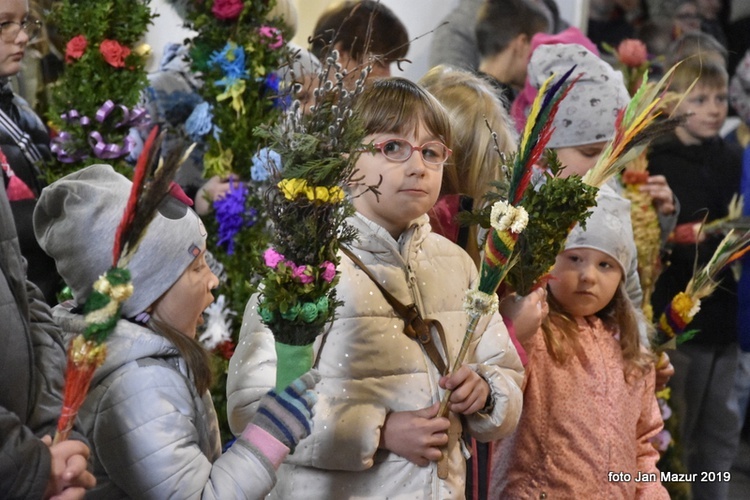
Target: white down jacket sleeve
[(151, 448)]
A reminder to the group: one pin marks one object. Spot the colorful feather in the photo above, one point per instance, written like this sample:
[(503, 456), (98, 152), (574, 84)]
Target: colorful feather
[(537, 132), (635, 127)]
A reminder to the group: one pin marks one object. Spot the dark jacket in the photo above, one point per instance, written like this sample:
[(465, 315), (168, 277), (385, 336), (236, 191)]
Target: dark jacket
[(703, 177), (32, 363), (41, 269)]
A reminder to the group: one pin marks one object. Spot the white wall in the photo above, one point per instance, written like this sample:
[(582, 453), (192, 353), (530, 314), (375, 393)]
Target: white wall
[(167, 28)]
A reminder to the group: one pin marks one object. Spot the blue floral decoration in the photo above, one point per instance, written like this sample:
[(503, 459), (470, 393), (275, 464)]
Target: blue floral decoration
[(200, 122), (231, 60), (265, 162), (232, 215)]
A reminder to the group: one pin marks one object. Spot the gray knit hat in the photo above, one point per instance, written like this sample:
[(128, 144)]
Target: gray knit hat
[(587, 114), (75, 222), (608, 229)]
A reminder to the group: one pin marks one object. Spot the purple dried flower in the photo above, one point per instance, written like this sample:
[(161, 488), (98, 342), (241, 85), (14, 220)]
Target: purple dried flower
[(232, 215)]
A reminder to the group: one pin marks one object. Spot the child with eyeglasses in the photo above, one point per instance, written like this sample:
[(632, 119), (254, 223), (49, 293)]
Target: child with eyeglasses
[(24, 140), (377, 434)]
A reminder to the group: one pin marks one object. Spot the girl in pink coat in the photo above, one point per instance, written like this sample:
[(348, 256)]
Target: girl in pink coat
[(589, 408)]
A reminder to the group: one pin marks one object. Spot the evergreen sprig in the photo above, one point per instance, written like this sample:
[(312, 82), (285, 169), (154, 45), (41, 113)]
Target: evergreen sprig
[(89, 80)]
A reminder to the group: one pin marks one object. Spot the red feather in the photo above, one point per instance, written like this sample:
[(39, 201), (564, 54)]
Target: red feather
[(139, 176)]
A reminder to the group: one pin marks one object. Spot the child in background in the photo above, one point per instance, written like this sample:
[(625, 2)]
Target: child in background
[(589, 404), (365, 33), (148, 414), (25, 143), (376, 434), (704, 172), (476, 112)]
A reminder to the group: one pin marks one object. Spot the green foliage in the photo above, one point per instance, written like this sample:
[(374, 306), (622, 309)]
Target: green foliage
[(89, 81), (553, 208)]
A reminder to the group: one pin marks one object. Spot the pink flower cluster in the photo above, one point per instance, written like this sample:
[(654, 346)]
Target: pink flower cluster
[(275, 39), (303, 273)]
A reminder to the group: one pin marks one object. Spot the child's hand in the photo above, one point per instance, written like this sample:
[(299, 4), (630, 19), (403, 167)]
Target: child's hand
[(526, 312), (664, 371), (69, 477), (415, 435), (656, 186), (215, 188), (470, 391)]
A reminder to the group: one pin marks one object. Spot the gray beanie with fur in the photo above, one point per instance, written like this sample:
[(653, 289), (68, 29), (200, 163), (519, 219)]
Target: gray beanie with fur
[(609, 229), (587, 114), (75, 222)]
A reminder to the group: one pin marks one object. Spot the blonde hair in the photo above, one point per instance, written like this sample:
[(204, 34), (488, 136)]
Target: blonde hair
[(704, 69), (475, 112), (561, 333), (398, 105)]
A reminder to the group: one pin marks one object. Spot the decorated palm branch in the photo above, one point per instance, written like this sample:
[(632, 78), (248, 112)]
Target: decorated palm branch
[(308, 206), (508, 218), (88, 350), (635, 127), (671, 330)]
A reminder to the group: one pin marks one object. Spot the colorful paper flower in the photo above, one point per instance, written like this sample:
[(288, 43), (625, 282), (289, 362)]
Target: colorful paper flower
[(265, 162), (272, 258), (200, 122), (632, 53), (114, 53), (232, 215), (273, 36), (227, 10), (329, 271), (75, 48)]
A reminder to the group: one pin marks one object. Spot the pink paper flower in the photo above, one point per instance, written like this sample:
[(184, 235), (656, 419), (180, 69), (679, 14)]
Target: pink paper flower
[(114, 53), (75, 48), (227, 10), (632, 53), (272, 258), (275, 39), (301, 273), (329, 271)]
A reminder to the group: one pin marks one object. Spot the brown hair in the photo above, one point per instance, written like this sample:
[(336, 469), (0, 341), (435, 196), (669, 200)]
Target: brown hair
[(194, 354), (561, 332), (360, 28), (399, 105), (474, 110)]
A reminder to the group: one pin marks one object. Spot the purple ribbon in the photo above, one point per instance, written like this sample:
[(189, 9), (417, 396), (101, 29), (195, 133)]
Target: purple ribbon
[(111, 150), (73, 115), (101, 148), (58, 148)]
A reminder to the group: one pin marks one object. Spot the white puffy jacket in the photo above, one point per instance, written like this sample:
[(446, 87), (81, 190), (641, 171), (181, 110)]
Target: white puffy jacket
[(369, 368)]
